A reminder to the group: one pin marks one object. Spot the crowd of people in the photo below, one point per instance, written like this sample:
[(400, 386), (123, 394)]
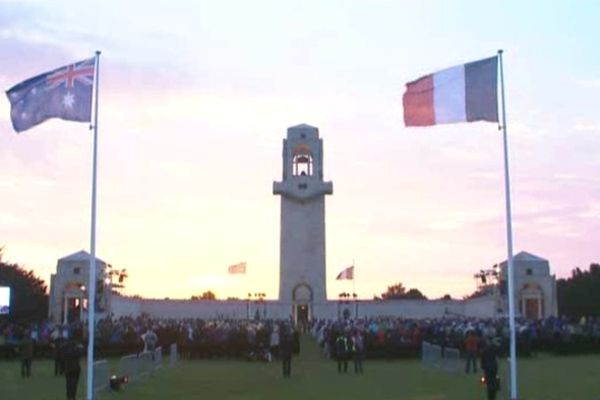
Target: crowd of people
[(390, 337), (30, 341), (394, 337), (343, 340), (195, 338)]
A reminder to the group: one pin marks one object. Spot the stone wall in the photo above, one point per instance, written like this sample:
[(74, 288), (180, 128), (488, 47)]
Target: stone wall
[(238, 309)]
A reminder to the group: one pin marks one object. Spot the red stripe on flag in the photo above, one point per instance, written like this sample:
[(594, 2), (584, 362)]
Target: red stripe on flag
[(347, 273), (418, 102)]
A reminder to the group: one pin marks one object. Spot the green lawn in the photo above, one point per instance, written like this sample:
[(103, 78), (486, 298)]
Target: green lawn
[(541, 378)]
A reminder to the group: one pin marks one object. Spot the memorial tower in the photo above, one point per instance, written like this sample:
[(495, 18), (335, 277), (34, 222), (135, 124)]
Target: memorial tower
[(302, 280)]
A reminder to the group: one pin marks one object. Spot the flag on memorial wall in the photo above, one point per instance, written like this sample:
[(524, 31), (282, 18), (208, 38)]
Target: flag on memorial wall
[(237, 268), (464, 93), (64, 93), (347, 273)]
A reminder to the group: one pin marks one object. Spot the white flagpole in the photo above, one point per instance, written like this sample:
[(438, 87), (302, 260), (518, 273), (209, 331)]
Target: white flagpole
[(509, 240), (92, 269), (354, 289), (353, 275)]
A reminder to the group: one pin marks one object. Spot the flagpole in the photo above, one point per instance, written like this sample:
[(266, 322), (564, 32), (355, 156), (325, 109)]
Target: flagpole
[(509, 240), (354, 289), (92, 269), (353, 276)]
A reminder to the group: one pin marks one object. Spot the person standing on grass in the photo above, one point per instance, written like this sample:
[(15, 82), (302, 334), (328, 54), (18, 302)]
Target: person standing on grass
[(471, 348), (285, 351), (274, 341), (59, 361), (149, 338), (489, 364), (341, 352), (26, 353), (57, 344), (358, 345), (72, 352)]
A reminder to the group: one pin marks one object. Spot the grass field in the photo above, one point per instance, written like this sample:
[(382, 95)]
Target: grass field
[(540, 378)]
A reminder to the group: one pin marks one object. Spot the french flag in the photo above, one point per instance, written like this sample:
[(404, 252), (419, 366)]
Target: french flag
[(464, 93), (347, 273)]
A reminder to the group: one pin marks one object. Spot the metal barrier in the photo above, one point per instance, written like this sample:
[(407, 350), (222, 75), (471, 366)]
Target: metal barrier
[(431, 354), (426, 356), (157, 358), (101, 375), (133, 366), (146, 363), (130, 367), (451, 360), (173, 356), (447, 359)]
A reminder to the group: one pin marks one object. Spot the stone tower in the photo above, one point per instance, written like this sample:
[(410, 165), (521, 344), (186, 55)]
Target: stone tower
[(302, 243)]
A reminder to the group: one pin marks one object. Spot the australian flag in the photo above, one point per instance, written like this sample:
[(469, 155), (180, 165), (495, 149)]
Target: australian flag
[(64, 93)]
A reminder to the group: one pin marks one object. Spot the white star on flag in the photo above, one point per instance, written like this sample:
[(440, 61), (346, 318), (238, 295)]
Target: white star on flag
[(68, 100)]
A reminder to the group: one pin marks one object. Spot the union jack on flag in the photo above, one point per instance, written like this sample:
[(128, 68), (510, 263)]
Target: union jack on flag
[(64, 93), (82, 72)]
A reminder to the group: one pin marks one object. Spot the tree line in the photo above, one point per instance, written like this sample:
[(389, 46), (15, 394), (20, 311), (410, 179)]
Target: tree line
[(29, 297), (579, 295)]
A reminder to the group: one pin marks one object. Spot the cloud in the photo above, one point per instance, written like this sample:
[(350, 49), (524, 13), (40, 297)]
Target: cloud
[(10, 221), (29, 36), (588, 83), (587, 127), (593, 211)]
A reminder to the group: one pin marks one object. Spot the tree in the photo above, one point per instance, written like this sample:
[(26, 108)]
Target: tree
[(29, 300), (579, 295), (398, 291), (120, 275), (415, 294), (208, 295), (482, 291)]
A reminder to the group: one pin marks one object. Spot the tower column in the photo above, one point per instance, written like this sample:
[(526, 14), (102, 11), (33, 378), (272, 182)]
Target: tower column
[(302, 278)]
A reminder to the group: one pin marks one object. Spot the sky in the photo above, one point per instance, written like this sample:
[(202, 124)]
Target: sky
[(196, 98)]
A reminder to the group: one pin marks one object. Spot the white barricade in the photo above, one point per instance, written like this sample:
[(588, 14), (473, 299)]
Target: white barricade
[(101, 375), (433, 356), (137, 366), (146, 360), (426, 356), (130, 367), (173, 356), (451, 360), (157, 358)]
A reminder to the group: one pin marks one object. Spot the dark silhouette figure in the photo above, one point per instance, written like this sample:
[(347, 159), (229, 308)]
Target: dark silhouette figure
[(72, 353), (358, 352), (26, 350), (341, 353), (286, 349), (489, 364), (471, 349), (59, 359)]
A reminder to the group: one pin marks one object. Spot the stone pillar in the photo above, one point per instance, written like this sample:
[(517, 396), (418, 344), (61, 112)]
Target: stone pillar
[(65, 309), (302, 240)]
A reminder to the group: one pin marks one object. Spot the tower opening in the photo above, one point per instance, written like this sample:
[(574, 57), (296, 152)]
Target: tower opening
[(302, 161)]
